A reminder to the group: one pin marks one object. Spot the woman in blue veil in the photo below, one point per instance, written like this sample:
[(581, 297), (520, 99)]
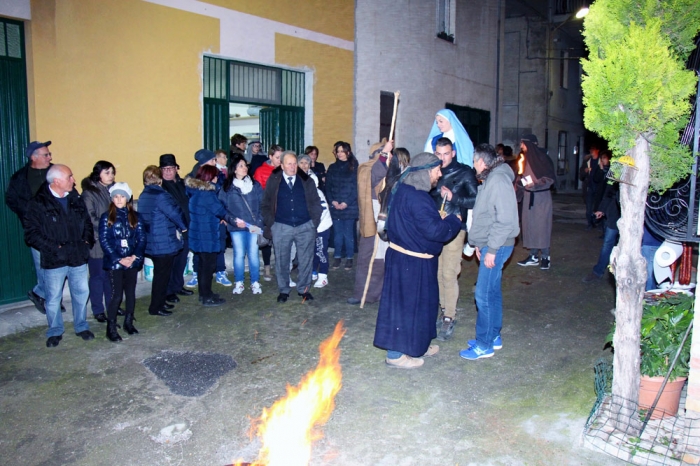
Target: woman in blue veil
[(447, 125)]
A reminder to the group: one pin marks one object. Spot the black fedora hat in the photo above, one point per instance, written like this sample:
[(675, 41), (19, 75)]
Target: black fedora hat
[(168, 160)]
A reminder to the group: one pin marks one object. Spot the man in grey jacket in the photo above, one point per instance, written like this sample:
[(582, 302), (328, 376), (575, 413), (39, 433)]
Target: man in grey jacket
[(493, 232)]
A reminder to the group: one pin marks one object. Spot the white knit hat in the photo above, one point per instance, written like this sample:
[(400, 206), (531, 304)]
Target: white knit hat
[(120, 188)]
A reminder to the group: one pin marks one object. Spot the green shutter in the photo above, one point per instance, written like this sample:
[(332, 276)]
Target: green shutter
[(216, 125), (16, 264), (291, 129), (269, 126)]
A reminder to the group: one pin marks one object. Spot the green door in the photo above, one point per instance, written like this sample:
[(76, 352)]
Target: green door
[(283, 126), (16, 264), (216, 125)]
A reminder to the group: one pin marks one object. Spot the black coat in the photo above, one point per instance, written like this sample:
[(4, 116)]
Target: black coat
[(176, 188), (341, 186), (461, 180), (63, 237), (19, 192)]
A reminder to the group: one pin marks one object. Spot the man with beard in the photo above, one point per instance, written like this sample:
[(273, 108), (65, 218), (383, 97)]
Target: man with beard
[(416, 231)]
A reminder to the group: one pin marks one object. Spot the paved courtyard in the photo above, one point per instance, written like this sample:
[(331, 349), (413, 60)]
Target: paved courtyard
[(97, 402)]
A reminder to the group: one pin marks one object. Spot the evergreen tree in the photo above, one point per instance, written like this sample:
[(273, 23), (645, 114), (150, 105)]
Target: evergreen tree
[(636, 95)]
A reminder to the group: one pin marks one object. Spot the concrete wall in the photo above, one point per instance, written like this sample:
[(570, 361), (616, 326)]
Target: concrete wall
[(122, 80), (533, 98), (397, 50)]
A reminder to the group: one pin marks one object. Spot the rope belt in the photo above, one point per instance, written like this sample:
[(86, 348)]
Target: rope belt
[(420, 255)]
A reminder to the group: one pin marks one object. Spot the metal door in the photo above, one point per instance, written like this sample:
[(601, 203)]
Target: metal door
[(16, 265)]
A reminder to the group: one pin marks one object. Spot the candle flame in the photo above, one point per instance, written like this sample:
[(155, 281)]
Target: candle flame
[(521, 164)]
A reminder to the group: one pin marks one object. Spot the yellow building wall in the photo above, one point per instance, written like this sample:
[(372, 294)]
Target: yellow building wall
[(119, 81), (333, 17), (333, 88)]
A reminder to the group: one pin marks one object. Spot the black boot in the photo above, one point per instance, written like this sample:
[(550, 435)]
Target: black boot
[(129, 324), (112, 334)]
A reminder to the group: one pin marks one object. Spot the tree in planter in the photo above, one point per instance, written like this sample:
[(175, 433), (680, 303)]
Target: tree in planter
[(636, 91)]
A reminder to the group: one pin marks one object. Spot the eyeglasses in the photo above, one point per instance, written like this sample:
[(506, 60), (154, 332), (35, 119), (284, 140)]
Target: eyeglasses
[(168, 169), (48, 154)]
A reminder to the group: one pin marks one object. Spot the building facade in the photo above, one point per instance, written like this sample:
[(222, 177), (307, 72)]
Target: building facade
[(436, 54), (128, 80)]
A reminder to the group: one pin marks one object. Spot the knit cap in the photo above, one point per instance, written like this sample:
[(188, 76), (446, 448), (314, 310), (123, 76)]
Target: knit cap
[(120, 188)]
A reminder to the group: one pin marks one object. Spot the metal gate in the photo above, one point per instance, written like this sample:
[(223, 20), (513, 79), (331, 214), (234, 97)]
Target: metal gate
[(16, 265)]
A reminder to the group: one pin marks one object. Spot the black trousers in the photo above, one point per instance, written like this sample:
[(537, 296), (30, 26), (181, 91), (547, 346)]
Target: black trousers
[(123, 281), (206, 268), (266, 254), (177, 281), (162, 268)]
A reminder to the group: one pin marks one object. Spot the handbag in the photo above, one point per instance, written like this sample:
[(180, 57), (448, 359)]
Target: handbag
[(262, 241)]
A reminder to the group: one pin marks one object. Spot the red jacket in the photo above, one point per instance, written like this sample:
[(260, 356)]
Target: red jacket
[(263, 173)]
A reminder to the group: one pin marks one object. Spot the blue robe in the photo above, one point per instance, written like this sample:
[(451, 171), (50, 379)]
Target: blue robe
[(410, 297)]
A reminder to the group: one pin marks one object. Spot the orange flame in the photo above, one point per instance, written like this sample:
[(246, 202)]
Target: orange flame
[(521, 164), (287, 429)]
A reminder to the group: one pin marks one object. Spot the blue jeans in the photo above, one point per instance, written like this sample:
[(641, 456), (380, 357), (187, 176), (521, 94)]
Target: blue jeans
[(648, 253), (344, 234), (245, 242), (79, 292), (39, 287), (321, 255), (609, 242), (489, 298)]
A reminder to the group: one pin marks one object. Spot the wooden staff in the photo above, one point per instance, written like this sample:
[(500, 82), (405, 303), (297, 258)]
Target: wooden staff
[(393, 117), (376, 235)]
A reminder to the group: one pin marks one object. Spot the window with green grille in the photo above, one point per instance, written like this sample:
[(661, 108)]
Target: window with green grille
[(280, 93)]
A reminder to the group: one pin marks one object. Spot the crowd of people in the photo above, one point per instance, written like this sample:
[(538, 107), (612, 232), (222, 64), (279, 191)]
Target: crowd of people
[(402, 222)]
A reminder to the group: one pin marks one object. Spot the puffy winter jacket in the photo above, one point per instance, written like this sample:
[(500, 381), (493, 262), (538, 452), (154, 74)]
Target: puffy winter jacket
[(206, 211), (236, 208), (262, 174), (163, 221), (62, 236), (121, 240), (97, 200), (341, 186)]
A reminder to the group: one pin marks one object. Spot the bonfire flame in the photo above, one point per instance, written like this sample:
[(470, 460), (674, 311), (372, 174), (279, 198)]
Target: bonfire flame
[(521, 164), (288, 428)]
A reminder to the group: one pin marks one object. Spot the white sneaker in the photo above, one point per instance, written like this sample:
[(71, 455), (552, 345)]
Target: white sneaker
[(322, 280), (238, 289), (292, 283), (255, 288)]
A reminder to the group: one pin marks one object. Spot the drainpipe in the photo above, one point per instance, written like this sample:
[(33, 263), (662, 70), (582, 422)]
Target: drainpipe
[(499, 56)]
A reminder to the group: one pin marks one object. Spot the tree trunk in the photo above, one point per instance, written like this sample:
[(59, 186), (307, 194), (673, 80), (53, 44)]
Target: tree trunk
[(629, 268)]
